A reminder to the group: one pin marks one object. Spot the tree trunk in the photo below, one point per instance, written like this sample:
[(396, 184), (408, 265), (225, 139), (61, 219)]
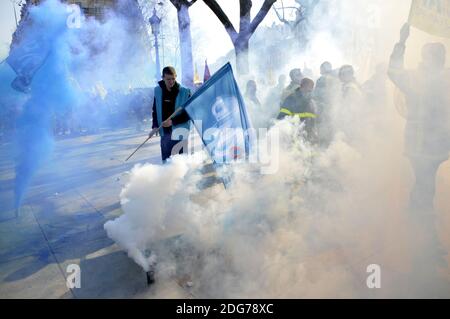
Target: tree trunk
[(184, 28), (241, 46), (246, 28)]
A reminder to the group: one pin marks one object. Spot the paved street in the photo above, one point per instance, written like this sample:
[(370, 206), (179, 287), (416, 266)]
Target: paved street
[(62, 217), (61, 222)]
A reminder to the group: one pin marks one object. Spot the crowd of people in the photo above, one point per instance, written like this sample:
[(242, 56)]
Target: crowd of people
[(111, 111), (92, 113), (315, 102), (336, 101)]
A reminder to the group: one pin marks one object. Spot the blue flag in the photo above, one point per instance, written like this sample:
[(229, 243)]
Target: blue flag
[(26, 57), (218, 112)]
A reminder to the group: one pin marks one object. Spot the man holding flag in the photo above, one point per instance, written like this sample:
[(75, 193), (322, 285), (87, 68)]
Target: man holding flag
[(427, 135), (217, 110), (427, 132), (168, 116)]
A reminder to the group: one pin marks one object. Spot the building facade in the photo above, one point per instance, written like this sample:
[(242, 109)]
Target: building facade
[(94, 8), (90, 8)]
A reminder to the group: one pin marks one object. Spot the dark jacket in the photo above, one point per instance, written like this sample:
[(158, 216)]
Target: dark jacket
[(297, 104), (427, 130), (168, 108)]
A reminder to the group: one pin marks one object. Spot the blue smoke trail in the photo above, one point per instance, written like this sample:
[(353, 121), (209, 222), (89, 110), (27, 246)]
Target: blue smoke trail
[(58, 67), (45, 32)]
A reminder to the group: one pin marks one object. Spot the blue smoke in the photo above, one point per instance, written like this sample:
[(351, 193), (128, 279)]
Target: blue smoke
[(50, 91), (74, 62)]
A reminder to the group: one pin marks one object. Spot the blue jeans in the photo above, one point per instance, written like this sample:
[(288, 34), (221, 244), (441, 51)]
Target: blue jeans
[(171, 147)]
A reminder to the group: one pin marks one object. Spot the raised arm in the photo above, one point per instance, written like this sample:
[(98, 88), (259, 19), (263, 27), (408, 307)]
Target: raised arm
[(396, 71)]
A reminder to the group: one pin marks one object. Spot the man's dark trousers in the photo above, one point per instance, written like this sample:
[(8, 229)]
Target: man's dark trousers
[(171, 147)]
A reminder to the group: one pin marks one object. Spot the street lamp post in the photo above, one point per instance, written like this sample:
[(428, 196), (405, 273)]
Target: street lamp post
[(155, 23)]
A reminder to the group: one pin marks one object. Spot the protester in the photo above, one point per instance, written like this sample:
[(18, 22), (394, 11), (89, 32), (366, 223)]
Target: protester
[(427, 133), (169, 96), (137, 101), (250, 93), (427, 136), (273, 100), (301, 104), (350, 89), (375, 89), (326, 95), (296, 78)]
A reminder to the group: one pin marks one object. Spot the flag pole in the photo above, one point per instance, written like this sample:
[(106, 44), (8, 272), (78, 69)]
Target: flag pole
[(152, 133), (410, 12)]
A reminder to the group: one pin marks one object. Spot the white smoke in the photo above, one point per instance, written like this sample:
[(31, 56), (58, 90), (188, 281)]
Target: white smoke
[(313, 228), (310, 230), (88, 69)]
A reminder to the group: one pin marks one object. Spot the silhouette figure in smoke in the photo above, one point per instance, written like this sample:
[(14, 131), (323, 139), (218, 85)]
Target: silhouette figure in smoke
[(250, 93), (296, 76), (427, 136), (301, 104), (273, 99), (427, 145), (326, 93), (351, 90), (375, 88)]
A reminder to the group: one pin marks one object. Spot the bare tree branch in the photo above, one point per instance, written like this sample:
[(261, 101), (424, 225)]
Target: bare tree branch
[(246, 27), (303, 12), (215, 7), (283, 19), (176, 4), (190, 3), (261, 15), (179, 3), (245, 7)]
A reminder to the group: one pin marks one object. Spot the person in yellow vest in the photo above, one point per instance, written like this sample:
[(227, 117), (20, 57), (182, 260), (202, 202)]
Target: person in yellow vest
[(296, 76), (301, 104)]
